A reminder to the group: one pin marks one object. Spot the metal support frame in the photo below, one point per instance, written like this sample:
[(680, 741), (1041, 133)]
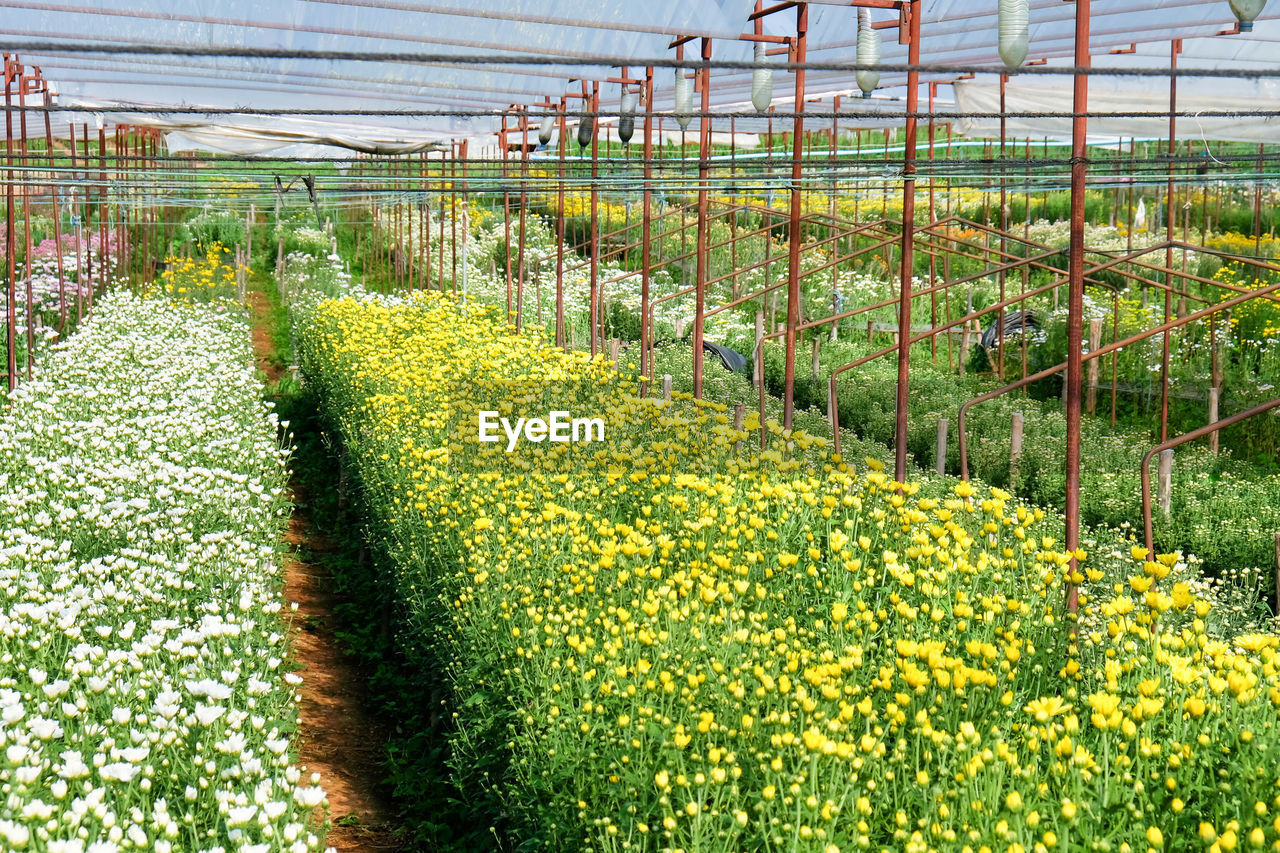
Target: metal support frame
[(912, 13), (1075, 298)]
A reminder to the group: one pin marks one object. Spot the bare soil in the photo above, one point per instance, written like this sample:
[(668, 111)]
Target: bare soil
[(339, 737)]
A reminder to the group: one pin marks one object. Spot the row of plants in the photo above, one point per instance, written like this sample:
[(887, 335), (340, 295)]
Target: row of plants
[(147, 696), (1207, 487), (672, 642)]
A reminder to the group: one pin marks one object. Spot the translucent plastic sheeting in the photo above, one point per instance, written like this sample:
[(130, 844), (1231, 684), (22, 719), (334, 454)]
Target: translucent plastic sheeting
[(257, 135), (373, 27), (953, 32), (1124, 96)]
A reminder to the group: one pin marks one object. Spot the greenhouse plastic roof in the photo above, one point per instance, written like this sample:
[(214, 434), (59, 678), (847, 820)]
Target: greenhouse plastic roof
[(567, 38)]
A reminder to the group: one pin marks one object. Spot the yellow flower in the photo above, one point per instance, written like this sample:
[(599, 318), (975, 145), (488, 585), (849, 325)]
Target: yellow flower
[(1046, 707)]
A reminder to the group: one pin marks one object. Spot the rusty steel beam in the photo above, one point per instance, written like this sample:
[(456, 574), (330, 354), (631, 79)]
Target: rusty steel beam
[(647, 201), (1175, 47), (1075, 295), (912, 14), (793, 269), (593, 107), (11, 68), (703, 261), (561, 337)]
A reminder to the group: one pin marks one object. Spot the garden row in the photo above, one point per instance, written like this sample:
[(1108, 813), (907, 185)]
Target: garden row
[(147, 702), (1224, 512), (667, 641)]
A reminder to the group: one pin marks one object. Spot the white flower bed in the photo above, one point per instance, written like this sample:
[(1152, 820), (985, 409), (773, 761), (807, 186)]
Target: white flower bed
[(144, 700)]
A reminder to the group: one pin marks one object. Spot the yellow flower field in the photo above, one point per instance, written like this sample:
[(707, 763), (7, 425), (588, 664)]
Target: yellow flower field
[(669, 641)]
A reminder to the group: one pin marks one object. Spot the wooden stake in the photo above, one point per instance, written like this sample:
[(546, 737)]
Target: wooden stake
[(940, 460), (1095, 341), (833, 403), (1278, 571), (815, 358), (666, 386), (1164, 485), (758, 367), (1015, 449), (1213, 419)]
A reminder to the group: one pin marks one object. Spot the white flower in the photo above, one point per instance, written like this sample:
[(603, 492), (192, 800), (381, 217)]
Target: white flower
[(119, 772), (207, 714), (308, 797), (15, 833), (241, 815)]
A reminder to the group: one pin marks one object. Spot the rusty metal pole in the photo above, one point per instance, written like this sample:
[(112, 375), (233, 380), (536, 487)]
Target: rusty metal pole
[(1075, 294), (84, 276), (561, 340), (1175, 47), (912, 12), (440, 241), (1133, 178), (11, 295), (793, 265), (733, 219), (593, 107), (424, 226), (506, 210), (524, 206), (646, 332), (24, 82), (1004, 229), (835, 246), (703, 253), (124, 250), (933, 256), (104, 252), (453, 217)]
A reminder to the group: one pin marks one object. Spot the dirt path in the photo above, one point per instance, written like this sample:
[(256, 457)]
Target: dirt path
[(339, 738)]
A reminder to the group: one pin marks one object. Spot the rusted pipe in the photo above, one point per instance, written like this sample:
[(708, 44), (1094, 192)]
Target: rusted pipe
[(561, 339), (593, 108), (1171, 443), (11, 296), (793, 269), (704, 256), (646, 329), (912, 11), (1075, 295)]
